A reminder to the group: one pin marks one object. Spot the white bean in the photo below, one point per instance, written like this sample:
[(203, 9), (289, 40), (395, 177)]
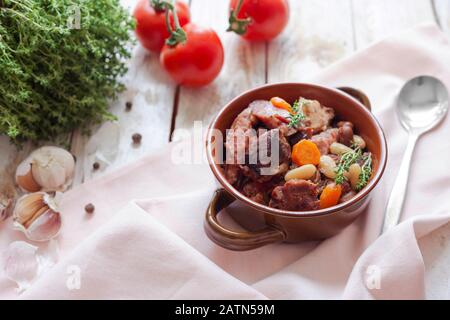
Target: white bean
[(339, 148), (354, 172), (346, 175), (305, 172), (359, 141), (327, 166)]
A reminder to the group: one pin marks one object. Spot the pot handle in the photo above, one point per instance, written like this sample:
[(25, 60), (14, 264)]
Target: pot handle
[(358, 95), (235, 240)]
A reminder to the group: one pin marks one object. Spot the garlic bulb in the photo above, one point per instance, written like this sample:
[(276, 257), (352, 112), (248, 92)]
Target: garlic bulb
[(36, 215), (47, 169)]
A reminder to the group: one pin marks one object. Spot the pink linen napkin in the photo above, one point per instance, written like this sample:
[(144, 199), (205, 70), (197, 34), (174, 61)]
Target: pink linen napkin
[(146, 239)]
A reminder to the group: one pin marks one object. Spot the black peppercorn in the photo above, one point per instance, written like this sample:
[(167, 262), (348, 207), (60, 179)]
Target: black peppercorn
[(137, 137), (89, 208)]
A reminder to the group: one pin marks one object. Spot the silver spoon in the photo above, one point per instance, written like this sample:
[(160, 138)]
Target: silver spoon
[(422, 104)]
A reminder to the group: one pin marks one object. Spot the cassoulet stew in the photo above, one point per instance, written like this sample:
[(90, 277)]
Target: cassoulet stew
[(296, 156)]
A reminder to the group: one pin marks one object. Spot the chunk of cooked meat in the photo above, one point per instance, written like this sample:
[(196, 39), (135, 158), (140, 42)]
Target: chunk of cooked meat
[(324, 140), (232, 173), (317, 115), (241, 133), (295, 195), (238, 144), (245, 120), (254, 191), (269, 115), (347, 192), (301, 134), (345, 133), (260, 157), (239, 136)]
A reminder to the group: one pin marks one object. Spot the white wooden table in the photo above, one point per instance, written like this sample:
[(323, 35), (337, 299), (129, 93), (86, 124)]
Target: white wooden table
[(319, 33)]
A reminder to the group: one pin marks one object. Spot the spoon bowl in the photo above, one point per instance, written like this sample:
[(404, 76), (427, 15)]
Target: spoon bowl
[(422, 104)]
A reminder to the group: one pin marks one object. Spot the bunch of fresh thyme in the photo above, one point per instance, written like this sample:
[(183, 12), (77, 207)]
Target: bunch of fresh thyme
[(60, 61)]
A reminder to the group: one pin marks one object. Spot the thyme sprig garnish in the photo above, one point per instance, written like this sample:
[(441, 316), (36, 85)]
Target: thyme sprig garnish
[(366, 172), (345, 162), (350, 158), (297, 114)]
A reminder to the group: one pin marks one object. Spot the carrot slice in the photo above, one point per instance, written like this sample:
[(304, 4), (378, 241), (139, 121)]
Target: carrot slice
[(330, 195), (281, 104), (305, 152)]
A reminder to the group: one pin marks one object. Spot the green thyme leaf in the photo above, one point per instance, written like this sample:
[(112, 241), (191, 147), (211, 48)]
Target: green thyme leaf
[(366, 172), (347, 159), (297, 116)]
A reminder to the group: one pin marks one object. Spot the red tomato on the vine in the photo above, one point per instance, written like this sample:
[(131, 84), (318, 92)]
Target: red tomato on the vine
[(267, 18), (196, 62), (151, 29)]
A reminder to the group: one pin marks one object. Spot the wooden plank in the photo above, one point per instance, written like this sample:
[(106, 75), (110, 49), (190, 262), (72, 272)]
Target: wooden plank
[(442, 12), (376, 19), (151, 93), (244, 68), (318, 34)]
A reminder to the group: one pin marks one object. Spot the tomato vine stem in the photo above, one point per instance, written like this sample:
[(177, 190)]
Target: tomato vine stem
[(158, 5), (237, 25), (177, 34)]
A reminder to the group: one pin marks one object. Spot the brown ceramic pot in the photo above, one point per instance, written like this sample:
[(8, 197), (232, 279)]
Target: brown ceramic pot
[(349, 104)]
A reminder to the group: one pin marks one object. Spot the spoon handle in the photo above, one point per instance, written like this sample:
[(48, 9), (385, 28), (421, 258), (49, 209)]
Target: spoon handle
[(397, 197)]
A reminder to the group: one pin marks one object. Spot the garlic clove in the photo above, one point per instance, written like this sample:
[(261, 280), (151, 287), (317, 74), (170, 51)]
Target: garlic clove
[(24, 177), (27, 206), (45, 227), (36, 215)]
